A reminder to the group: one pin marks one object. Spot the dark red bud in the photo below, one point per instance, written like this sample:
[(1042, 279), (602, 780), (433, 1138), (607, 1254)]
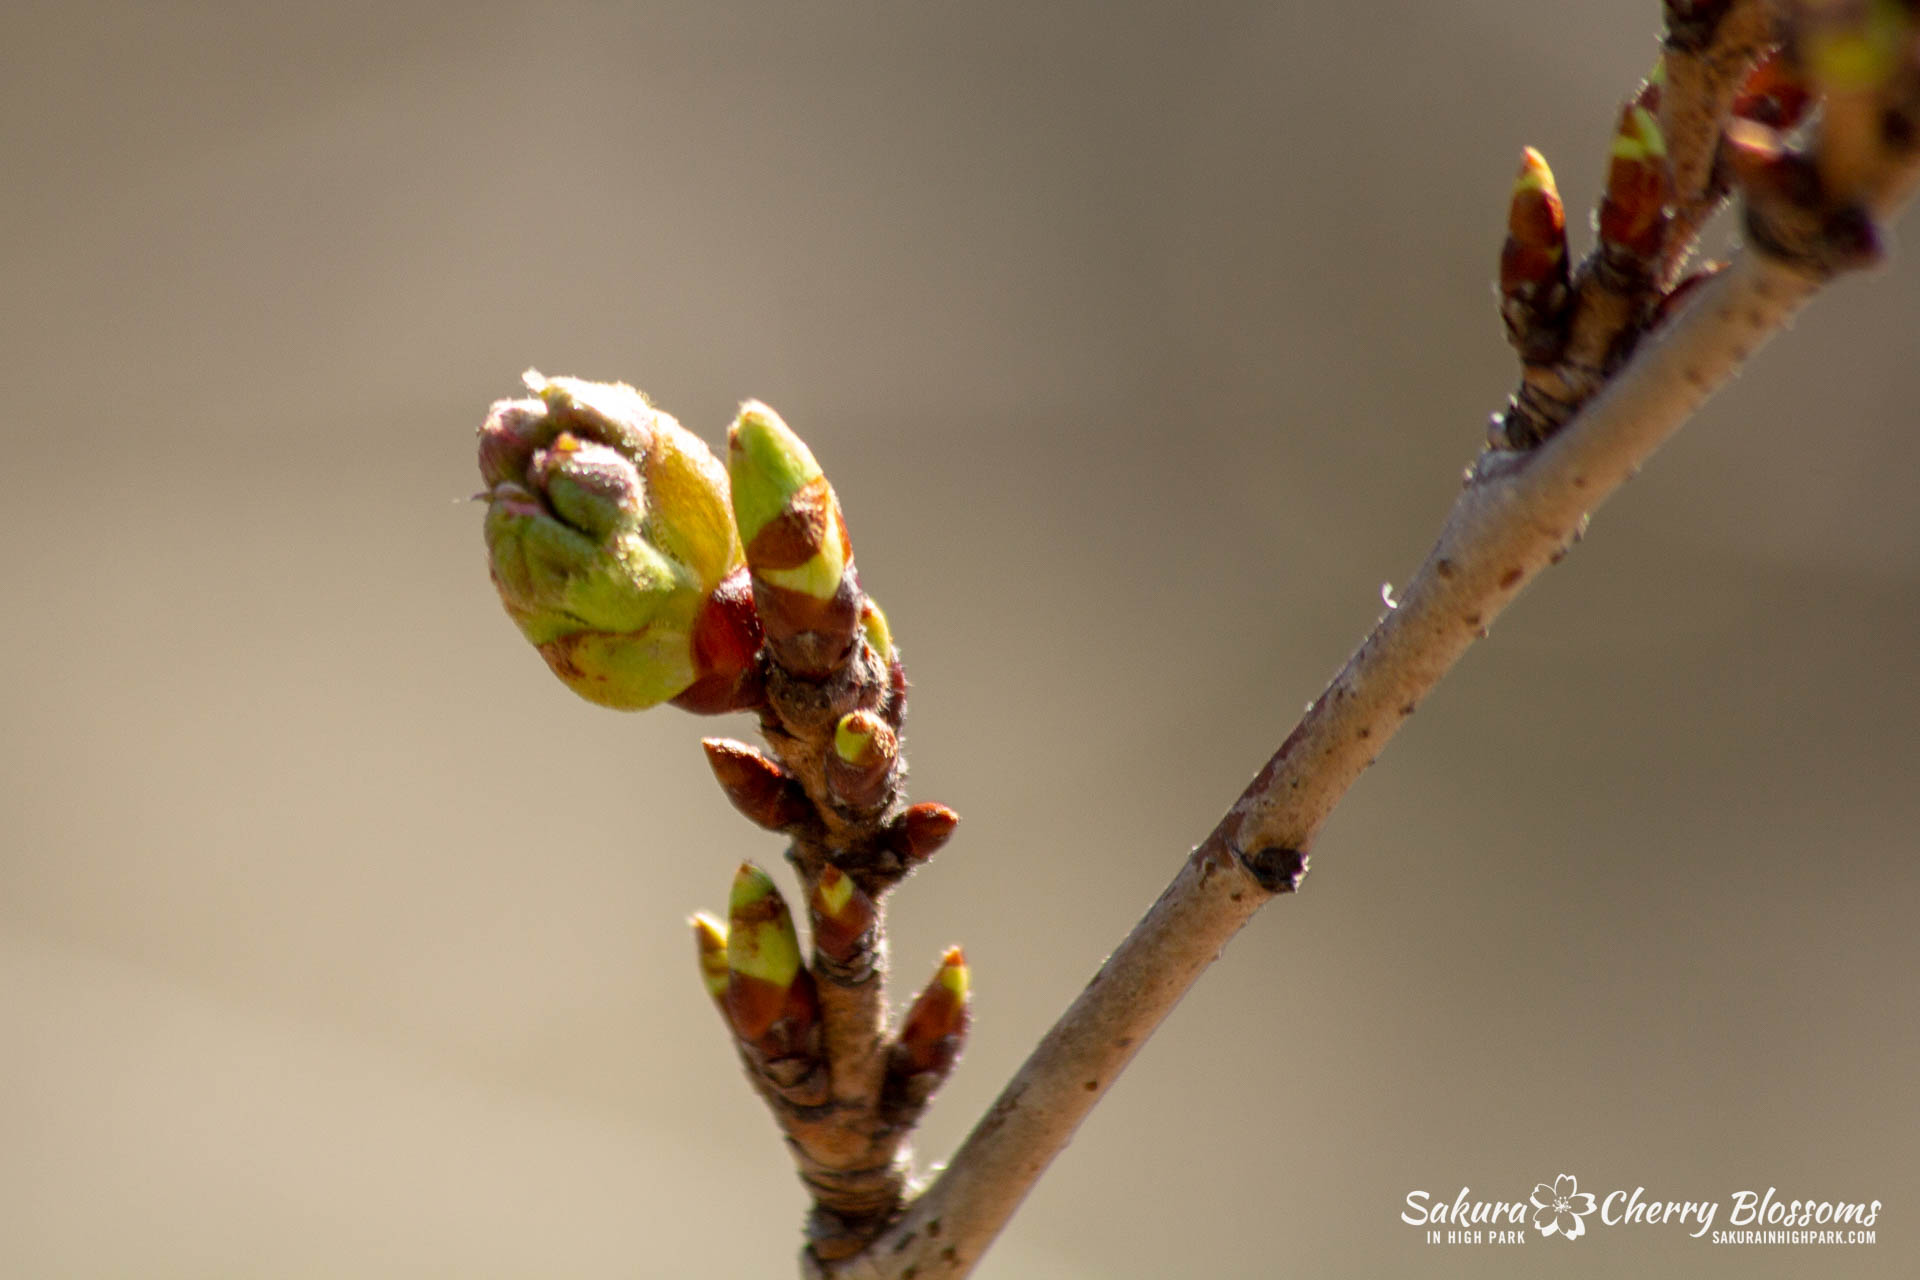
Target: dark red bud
[(919, 833), (726, 649), (758, 787)]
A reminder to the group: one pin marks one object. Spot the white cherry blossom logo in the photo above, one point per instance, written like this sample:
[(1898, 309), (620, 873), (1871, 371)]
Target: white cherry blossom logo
[(1559, 1208)]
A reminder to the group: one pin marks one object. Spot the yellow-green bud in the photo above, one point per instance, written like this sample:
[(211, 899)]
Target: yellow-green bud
[(608, 528), (763, 958), (873, 625), (795, 541)]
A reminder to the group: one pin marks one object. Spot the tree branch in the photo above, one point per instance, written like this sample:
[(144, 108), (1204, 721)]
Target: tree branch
[(1517, 514)]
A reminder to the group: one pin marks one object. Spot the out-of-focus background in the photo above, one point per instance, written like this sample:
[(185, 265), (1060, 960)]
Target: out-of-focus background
[(1144, 342)]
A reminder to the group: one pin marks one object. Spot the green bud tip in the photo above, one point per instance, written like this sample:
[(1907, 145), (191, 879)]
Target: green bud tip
[(788, 518), (954, 974), (768, 465), (857, 739), (761, 943), (1638, 138), (873, 625), (834, 891)]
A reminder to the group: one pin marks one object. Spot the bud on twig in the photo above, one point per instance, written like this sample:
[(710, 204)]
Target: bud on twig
[(1533, 263), (843, 916), (796, 545), (860, 767), (770, 997), (608, 532), (919, 833), (726, 646), (935, 1027), (1634, 210), (758, 787)]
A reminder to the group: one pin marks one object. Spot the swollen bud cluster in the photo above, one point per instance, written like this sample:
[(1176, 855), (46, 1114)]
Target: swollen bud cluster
[(753, 969), (612, 544)]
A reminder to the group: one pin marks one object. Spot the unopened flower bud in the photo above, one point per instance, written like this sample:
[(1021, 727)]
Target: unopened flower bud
[(922, 830), (860, 767), (608, 533), (758, 787), (796, 545), (936, 1026), (764, 973), (1634, 211), (843, 916), (1533, 263)]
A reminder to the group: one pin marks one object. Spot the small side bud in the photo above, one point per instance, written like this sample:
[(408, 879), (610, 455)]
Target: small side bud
[(770, 998), (919, 833), (935, 1027), (860, 768), (758, 788), (796, 545), (1634, 211), (843, 917), (1533, 263), (874, 628), (710, 945)]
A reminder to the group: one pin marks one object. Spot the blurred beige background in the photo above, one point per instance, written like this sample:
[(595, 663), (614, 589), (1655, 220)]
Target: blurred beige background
[(1144, 342)]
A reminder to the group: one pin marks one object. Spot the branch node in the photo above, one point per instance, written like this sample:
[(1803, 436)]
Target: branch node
[(1275, 869)]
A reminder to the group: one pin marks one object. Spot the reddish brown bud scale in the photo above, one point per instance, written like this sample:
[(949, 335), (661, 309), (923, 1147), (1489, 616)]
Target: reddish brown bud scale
[(809, 636), (798, 533), (920, 832), (843, 916), (896, 704), (1774, 95), (753, 1005), (758, 787), (726, 648), (774, 1020)]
